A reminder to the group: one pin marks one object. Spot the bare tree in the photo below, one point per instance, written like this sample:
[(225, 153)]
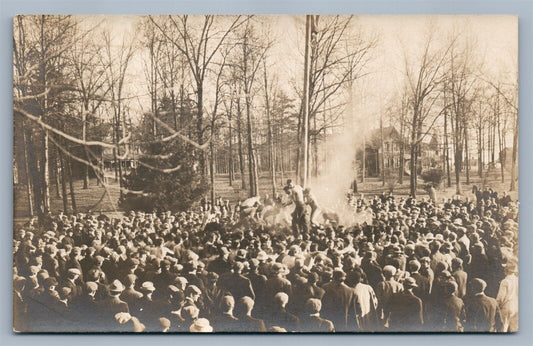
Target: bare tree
[(198, 41), (117, 63), (423, 78)]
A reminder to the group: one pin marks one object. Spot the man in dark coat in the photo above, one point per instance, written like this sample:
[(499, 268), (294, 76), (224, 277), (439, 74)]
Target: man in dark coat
[(221, 264), (236, 283), (213, 295), (72, 281), (112, 305), (85, 309), (225, 321), (277, 283), (130, 295), (312, 322), (460, 276), (372, 269), (338, 303), (147, 309), (248, 323), (280, 317), (482, 312), (449, 311), (406, 309)]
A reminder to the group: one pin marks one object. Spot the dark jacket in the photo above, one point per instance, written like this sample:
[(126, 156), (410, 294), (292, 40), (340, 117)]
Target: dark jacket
[(482, 314), (279, 317), (316, 324), (338, 306), (238, 285), (406, 312), (249, 324)]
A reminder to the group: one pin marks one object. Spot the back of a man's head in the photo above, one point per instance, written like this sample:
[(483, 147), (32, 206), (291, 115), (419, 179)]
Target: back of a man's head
[(228, 303), (313, 305), (281, 299)]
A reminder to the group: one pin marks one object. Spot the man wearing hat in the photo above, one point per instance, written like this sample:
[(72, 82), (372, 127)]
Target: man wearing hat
[(147, 309), (201, 325), (192, 296), (448, 310), (406, 309), (213, 295), (112, 305), (72, 281), (276, 283), (338, 303), (482, 312), (384, 292), (236, 283), (84, 307)]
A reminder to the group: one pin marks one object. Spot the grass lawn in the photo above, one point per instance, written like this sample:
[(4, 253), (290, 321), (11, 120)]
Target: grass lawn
[(93, 198)]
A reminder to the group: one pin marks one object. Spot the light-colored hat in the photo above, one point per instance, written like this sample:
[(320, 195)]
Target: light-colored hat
[(201, 325), (116, 286), (74, 271), (148, 286)]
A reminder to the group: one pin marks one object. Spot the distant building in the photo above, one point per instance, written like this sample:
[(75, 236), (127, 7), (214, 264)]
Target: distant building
[(431, 152)]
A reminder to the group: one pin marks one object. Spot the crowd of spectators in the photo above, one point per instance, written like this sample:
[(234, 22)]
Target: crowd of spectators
[(417, 266)]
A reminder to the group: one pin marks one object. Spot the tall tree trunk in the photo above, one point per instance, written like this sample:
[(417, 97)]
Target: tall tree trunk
[(271, 154), (239, 137), (305, 104), (252, 167), (71, 186), (85, 109), (382, 150), (56, 173), (363, 173), (467, 155), (231, 174), (447, 150), (29, 180), (63, 181), (412, 163), (199, 124), (501, 148), (212, 170), (402, 152), (514, 176), (458, 154), (45, 178), (480, 152), (46, 174)]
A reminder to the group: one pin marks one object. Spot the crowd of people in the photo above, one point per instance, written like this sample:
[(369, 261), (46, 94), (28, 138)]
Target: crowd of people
[(417, 265)]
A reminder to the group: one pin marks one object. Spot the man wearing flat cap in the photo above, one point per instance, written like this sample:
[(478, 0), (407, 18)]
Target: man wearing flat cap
[(72, 281), (406, 309), (482, 312), (338, 303), (84, 307)]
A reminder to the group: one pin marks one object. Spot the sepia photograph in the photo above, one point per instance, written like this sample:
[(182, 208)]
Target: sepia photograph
[(265, 174)]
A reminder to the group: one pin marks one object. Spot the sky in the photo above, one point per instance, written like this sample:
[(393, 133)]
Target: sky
[(494, 38)]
